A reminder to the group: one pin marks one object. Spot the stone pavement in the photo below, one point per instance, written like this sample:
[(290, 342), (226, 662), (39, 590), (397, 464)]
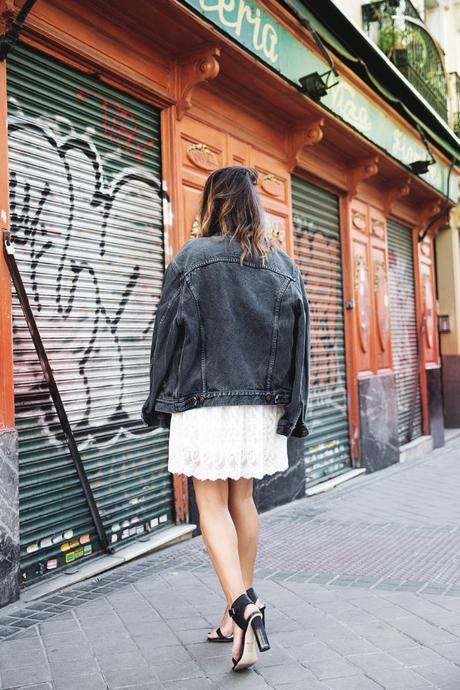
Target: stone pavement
[(362, 586)]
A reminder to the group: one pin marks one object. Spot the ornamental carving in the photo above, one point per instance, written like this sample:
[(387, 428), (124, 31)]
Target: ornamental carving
[(381, 302), (363, 303), (275, 228), (195, 228), (202, 156), (198, 67), (394, 191), (378, 228), (358, 218), (8, 13), (303, 134), (425, 247), (271, 184), (359, 170), (428, 308)]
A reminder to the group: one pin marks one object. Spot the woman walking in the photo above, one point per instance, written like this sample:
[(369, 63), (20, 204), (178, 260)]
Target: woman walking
[(229, 377)]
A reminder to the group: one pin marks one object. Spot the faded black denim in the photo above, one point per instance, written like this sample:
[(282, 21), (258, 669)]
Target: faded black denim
[(227, 334)]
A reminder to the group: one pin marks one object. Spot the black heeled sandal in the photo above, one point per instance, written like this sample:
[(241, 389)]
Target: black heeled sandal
[(253, 629), (220, 637), (229, 638), (255, 600)]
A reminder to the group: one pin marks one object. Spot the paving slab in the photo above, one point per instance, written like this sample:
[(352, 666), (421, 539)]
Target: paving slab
[(362, 586)]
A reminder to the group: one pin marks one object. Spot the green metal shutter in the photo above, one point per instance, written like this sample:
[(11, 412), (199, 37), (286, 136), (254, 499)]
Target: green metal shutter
[(404, 328), (86, 215), (317, 252)]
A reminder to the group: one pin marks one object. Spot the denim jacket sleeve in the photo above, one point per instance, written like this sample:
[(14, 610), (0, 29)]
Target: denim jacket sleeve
[(164, 338), (293, 422)]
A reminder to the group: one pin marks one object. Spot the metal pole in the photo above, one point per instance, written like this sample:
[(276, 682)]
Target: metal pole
[(54, 391)]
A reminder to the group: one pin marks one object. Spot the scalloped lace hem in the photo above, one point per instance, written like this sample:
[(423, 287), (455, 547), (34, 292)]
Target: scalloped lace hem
[(227, 442), (207, 475)]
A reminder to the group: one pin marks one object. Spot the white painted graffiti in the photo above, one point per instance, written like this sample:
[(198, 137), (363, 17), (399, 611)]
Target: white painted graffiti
[(92, 269)]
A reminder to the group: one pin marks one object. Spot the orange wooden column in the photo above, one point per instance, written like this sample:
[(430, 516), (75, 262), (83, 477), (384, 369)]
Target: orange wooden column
[(6, 347)]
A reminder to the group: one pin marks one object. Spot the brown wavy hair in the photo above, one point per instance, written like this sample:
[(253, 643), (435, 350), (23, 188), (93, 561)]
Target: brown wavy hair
[(231, 206)]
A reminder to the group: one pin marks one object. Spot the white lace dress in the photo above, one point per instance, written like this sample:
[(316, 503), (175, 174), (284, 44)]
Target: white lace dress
[(227, 442)]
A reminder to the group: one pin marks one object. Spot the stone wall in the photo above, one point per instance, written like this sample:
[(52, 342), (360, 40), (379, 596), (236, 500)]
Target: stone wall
[(9, 517)]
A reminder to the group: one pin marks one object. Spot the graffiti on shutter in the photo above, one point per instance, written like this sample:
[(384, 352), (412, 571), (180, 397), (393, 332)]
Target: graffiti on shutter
[(317, 253), (86, 216), (404, 328)]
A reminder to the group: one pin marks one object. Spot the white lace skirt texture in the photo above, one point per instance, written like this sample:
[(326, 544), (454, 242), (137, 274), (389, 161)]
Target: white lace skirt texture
[(227, 442)]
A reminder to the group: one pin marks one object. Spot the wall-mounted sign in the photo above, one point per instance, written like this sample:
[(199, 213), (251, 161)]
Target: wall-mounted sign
[(250, 25)]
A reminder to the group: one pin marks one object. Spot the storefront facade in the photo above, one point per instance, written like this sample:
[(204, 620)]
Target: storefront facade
[(111, 137)]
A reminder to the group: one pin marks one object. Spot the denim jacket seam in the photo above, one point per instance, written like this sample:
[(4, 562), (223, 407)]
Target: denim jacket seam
[(169, 305), (179, 321), (235, 259), (216, 394), (202, 338), (273, 345)]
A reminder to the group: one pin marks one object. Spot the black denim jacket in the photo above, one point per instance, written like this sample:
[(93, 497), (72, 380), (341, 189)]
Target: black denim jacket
[(227, 334)]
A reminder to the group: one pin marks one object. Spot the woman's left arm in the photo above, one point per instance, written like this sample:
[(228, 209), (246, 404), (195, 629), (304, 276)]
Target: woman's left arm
[(165, 331), (294, 420)]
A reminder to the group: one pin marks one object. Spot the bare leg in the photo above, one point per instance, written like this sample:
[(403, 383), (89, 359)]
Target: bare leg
[(220, 537), (246, 520)]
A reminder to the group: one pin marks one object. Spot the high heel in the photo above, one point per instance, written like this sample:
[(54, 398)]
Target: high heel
[(253, 629), (229, 638), (255, 600)]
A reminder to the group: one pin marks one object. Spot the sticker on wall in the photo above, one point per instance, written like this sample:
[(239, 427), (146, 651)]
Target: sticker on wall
[(125, 523), (125, 533), (134, 519), (163, 518), (51, 564), (47, 541), (132, 530), (154, 522), (74, 555), (140, 529), (84, 539), (32, 547), (57, 538), (87, 549), (65, 546), (136, 499), (68, 533), (115, 527), (114, 538)]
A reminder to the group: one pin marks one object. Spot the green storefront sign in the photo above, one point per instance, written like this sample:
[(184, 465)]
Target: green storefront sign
[(246, 22)]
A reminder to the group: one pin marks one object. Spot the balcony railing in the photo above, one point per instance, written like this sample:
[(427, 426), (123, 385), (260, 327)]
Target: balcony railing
[(399, 31)]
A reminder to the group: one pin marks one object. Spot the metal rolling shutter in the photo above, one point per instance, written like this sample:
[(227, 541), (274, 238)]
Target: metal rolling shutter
[(86, 215), (404, 328), (317, 253)]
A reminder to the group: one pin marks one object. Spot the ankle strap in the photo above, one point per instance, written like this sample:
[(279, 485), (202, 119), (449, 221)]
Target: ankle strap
[(236, 610), (252, 595)]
